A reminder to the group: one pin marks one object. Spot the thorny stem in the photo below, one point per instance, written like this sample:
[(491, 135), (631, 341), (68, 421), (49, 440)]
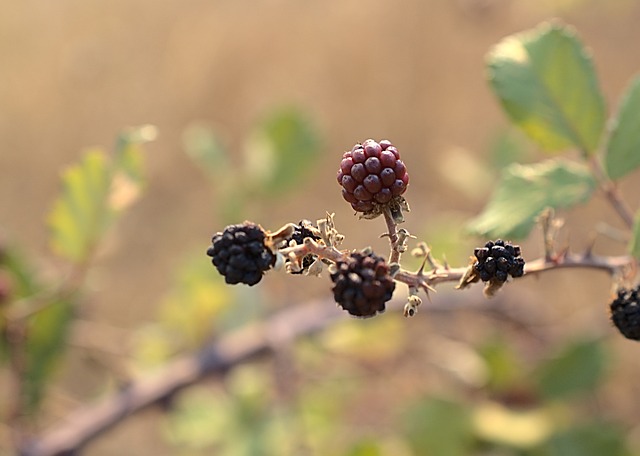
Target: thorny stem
[(425, 280), (611, 192), (394, 256)]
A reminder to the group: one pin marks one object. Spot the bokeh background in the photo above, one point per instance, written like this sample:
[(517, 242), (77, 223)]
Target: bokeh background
[(75, 73)]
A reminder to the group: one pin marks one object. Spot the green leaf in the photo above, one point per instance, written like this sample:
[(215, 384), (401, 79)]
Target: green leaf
[(577, 368), (623, 149), (47, 332), (547, 85), (593, 439), (81, 213), (437, 426), (281, 151), (524, 191), (93, 191), (634, 244)]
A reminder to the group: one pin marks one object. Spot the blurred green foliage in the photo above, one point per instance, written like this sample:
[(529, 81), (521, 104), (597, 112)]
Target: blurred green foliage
[(524, 191), (321, 403)]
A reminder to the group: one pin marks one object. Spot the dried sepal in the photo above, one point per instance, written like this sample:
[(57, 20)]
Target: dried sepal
[(470, 275), (315, 268), (328, 232), (491, 288)]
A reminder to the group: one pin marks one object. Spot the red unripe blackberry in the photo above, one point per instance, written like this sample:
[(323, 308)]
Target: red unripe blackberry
[(497, 260), (625, 313), (362, 284), (239, 253), (371, 174)]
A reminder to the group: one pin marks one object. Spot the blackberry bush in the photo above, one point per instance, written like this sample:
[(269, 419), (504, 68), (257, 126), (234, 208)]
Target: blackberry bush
[(374, 180), (239, 253)]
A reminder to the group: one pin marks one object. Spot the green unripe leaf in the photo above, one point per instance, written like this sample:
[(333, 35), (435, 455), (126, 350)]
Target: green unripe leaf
[(623, 149), (547, 85)]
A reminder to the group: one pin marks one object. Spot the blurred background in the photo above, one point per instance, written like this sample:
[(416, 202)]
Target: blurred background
[(218, 74)]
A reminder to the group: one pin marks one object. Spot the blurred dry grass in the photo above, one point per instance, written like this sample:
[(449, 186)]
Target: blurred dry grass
[(74, 73)]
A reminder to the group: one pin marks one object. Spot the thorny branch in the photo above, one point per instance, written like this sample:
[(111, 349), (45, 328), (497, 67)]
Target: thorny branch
[(86, 424)]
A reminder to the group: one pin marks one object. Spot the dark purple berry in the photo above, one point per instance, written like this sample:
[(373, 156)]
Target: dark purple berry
[(497, 260), (239, 253), (625, 313), (362, 284)]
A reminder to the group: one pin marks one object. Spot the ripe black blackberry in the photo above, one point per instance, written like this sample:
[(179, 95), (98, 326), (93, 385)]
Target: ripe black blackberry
[(371, 174), (625, 313), (240, 254), (304, 229), (497, 260), (362, 284)]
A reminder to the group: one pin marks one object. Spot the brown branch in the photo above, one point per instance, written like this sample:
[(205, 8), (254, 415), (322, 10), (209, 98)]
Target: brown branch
[(91, 421)]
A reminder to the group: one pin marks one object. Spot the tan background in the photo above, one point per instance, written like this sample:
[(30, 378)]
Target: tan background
[(74, 73)]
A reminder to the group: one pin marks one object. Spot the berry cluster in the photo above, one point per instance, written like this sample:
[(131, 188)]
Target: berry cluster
[(362, 284), (305, 229), (372, 174), (497, 260), (625, 313), (240, 254)]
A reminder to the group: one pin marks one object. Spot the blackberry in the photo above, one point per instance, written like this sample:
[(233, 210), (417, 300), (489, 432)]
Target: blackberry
[(498, 260), (362, 284), (625, 313), (239, 253), (371, 174), (305, 229)]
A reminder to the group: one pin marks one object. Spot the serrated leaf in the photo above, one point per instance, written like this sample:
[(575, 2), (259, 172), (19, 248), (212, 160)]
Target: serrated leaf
[(547, 85), (46, 336), (578, 367), (93, 191), (623, 149), (81, 213), (524, 191), (280, 149), (634, 244), (437, 426)]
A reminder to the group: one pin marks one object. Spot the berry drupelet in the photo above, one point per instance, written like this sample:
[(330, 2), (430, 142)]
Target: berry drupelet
[(240, 254), (371, 174), (625, 313), (497, 260), (362, 284)]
